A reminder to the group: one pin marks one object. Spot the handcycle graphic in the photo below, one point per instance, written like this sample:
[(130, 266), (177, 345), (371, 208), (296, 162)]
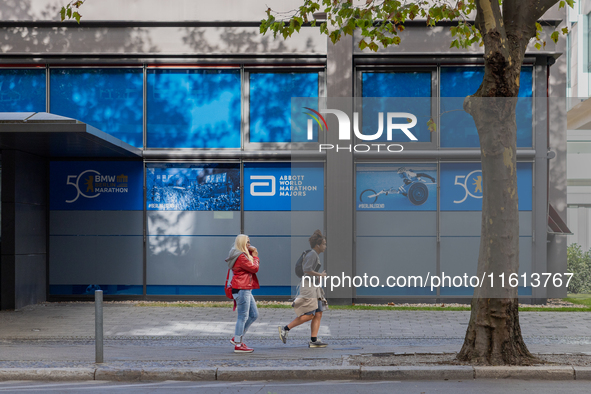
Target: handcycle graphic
[(414, 188)]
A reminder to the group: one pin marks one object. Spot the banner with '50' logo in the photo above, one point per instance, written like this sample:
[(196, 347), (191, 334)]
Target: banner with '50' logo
[(96, 185)]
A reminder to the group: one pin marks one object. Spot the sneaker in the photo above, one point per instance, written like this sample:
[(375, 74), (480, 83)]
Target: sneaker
[(242, 348), (318, 343), (233, 342), (282, 334)]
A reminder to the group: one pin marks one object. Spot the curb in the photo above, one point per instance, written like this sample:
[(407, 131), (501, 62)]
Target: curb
[(452, 372), (47, 374), (289, 373), (154, 374), (537, 373), (418, 373)]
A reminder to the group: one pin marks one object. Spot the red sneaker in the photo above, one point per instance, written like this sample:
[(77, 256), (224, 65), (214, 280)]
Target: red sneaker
[(234, 342), (242, 348)]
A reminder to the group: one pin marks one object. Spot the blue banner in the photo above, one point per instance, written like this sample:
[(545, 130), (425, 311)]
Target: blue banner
[(400, 187), (461, 186), (96, 185), (283, 187), (193, 187)]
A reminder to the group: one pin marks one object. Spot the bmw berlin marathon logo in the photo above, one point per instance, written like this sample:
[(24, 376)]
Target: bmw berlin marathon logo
[(402, 121), (91, 183)]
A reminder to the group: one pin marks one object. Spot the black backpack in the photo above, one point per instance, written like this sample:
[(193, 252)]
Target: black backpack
[(299, 270)]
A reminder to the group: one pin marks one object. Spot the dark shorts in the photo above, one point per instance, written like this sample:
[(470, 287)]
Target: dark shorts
[(321, 308)]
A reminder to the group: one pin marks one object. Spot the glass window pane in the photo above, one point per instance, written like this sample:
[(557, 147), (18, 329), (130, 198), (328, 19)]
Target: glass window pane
[(193, 109), (108, 99), (193, 187), (193, 216), (457, 127), (270, 104), (22, 90), (407, 92)]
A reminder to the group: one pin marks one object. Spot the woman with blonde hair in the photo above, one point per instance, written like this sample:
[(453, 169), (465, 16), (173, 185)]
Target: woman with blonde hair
[(243, 261)]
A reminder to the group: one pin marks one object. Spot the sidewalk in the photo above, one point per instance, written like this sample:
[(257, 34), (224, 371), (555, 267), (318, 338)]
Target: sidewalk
[(160, 339)]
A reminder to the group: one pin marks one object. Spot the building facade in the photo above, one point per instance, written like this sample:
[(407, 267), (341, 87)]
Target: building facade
[(136, 145), (579, 127)]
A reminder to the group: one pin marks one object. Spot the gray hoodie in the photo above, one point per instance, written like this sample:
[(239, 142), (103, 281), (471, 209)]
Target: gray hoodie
[(232, 257)]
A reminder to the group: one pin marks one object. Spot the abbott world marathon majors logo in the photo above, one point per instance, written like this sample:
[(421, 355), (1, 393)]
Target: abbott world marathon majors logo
[(91, 184), (289, 186), (392, 123)]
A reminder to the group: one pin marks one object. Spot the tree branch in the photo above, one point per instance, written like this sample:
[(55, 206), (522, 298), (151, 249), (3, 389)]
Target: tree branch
[(541, 6), (490, 23)]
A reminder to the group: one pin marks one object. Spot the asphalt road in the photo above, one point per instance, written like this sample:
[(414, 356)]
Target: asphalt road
[(297, 387)]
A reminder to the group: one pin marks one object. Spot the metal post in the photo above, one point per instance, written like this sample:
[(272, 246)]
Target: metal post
[(98, 327)]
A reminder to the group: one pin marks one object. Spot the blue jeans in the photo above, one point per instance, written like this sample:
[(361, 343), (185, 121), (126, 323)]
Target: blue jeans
[(247, 312)]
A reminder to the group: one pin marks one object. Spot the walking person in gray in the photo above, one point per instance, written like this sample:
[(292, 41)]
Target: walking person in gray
[(311, 302)]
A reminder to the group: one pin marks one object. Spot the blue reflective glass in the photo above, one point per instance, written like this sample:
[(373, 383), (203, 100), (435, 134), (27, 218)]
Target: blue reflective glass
[(270, 105), (398, 87), (457, 127), (108, 99), (193, 109), (22, 90)]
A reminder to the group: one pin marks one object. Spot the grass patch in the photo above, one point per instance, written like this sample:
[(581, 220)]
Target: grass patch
[(565, 309), (399, 308), (278, 305), (579, 299)]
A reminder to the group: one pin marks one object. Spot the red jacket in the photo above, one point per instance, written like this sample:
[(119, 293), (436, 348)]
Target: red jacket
[(245, 277)]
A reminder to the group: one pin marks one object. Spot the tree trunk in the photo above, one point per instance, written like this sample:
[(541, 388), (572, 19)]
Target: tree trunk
[(494, 336)]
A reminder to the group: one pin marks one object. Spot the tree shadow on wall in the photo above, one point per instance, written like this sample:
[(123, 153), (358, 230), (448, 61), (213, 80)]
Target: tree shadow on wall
[(67, 39)]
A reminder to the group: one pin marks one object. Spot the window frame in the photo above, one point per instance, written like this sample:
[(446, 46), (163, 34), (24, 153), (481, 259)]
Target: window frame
[(247, 145), (149, 67), (528, 62), (434, 143)]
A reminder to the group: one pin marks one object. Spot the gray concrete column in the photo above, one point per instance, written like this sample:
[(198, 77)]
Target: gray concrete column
[(23, 262), (540, 203), (340, 206), (557, 166)]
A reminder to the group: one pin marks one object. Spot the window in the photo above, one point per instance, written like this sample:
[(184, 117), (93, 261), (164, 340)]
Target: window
[(270, 106), (193, 109), (457, 127), (109, 99), (22, 90), (397, 92)]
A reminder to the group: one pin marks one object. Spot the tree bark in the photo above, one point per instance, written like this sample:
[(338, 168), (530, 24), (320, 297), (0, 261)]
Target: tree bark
[(494, 335)]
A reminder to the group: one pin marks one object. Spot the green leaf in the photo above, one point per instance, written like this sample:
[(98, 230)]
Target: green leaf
[(432, 125), (565, 30), (63, 13), (362, 44), (538, 46), (373, 46), (69, 12), (554, 36), (561, 4), (77, 16), (335, 36)]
